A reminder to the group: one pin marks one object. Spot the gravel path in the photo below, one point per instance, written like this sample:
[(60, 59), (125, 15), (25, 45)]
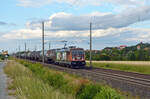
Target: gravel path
[(3, 84)]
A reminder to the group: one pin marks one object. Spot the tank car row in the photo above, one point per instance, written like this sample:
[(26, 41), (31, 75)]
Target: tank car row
[(70, 57)]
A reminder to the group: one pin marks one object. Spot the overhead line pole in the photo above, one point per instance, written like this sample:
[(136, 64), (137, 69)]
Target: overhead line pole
[(19, 51), (49, 45), (25, 50), (91, 44), (43, 42), (35, 48)]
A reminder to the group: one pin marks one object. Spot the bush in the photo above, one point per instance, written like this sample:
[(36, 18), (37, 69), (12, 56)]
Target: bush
[(2, 57), (107, 93), (56, 80), (88, 91)]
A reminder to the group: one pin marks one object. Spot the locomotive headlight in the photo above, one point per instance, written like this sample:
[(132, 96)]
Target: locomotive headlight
[(73, 58)]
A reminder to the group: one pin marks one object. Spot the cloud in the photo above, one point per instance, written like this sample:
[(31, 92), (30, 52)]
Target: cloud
[(6, 24), (3, 23), (140, 35), (30, 34), (113, 36), (37, 3), (68, 25), (67, 21), (111, 32)]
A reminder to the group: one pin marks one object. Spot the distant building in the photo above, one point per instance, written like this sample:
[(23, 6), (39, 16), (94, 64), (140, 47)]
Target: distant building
[(122, 47)]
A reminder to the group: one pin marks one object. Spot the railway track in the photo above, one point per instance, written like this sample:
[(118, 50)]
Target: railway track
[(131, 79), (135, 83)]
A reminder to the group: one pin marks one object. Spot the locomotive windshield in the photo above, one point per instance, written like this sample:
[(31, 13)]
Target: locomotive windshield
[(77, 54)]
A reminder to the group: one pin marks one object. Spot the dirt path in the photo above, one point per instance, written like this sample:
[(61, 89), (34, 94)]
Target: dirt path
[(3, 84)]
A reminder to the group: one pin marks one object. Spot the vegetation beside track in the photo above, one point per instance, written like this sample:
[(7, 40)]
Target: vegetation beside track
[(69, 84), (129, 67), (29, 86), (2, 57)]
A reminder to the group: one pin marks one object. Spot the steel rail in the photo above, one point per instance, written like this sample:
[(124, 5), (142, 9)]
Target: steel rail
[(132, 80), (124, 76)]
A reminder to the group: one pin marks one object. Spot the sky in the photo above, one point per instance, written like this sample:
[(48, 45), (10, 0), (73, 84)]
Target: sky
[(114, 23)]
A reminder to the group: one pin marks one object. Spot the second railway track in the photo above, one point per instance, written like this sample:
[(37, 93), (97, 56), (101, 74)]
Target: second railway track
[(130, 79)]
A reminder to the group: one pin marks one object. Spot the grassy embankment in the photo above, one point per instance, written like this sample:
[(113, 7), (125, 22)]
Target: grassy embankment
[(135, 66), (36, 82), (29, 86)]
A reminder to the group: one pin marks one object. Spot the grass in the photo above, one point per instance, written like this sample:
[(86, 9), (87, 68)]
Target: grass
[(28, 86), (123, 66), (58, 85)]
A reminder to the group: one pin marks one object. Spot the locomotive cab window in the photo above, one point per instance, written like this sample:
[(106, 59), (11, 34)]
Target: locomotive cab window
[(77, 54)]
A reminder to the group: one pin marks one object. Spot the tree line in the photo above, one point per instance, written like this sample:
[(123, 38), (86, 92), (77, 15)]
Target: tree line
[(132, 53)]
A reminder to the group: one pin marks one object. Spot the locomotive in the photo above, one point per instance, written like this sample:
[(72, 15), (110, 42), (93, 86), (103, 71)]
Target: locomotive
[(71, 57)]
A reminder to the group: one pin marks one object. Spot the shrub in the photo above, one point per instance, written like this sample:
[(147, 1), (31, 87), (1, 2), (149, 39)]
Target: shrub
[(107, 93), (56, 80), (88, 91)]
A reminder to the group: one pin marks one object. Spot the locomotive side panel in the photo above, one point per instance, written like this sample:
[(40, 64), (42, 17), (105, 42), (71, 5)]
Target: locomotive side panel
[(62, 57)]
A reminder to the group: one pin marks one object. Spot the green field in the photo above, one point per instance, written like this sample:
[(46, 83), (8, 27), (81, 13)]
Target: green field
[(129, 66), (32, 81)]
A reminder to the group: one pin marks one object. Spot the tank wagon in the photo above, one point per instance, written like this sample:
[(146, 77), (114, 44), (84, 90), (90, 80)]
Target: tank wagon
[(70, 57)]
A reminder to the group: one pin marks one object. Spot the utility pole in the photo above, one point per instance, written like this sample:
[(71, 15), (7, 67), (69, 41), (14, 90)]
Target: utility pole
[(49, 45), (25, 50), (19, 51), (43, 42), (91, 44), (35, 48)]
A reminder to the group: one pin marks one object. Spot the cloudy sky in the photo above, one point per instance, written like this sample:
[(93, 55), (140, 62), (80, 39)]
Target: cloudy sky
[(114, 23)]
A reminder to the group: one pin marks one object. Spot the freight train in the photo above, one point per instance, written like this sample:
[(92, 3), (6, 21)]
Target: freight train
[(71, 57)]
